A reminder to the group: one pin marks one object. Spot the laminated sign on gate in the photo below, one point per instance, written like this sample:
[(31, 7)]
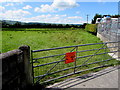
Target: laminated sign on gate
[(70, 57)]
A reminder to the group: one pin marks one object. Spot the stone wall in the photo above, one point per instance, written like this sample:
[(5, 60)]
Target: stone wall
[(16, 69), (110, 32)]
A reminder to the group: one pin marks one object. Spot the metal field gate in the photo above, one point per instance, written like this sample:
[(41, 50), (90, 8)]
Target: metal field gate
[(56, 64)]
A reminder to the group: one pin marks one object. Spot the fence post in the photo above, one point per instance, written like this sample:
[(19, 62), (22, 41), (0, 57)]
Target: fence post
[(27, 65)]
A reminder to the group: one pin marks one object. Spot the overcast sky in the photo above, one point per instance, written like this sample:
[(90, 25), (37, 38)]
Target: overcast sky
[(55, 11)]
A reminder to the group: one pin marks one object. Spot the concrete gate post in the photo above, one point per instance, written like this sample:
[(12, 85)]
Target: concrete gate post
[(27, 65)]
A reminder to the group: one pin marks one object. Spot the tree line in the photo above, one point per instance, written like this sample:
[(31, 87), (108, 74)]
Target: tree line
[(39, 25), (101, 16)]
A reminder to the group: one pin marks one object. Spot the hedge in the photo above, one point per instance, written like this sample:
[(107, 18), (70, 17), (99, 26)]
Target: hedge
[(92, 28)]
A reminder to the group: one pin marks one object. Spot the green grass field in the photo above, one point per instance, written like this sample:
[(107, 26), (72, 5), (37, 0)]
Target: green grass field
[(43, 39)]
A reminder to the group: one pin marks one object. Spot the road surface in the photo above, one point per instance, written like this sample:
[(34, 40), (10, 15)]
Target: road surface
[(107, 78)]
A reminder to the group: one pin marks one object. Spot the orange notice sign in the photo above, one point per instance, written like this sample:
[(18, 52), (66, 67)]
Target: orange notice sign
[(70, 57)]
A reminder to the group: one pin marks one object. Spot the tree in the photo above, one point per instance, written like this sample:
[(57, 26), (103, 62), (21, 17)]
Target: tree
[(84, 24), (95, 17), (115, 16), (67, 26), (60, 25), (5, 24), (17, 24)]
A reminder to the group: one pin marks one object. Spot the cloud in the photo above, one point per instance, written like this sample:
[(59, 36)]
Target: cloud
[(64, 4), (49, 18), (12, 0), (57, 5), (20, 15), (77, 12), (2, 8), (9, 4), (44, 8), (14, 14), (52, 0), (45, 18), (75, 17), (27, 7)]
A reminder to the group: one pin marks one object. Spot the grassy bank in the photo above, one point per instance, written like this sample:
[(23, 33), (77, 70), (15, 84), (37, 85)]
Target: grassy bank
[(45, 39)]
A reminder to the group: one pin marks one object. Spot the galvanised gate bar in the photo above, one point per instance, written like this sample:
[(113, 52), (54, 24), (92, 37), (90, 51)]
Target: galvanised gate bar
[(49, 64)]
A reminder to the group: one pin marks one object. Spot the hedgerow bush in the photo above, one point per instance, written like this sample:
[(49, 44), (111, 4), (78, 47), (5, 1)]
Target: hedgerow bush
[(92, 28)]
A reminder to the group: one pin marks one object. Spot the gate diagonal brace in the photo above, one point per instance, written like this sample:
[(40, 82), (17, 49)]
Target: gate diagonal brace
[(93, 55), (52, 67)]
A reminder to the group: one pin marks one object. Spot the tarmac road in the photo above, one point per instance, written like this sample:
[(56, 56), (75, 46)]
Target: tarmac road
[(107, 78)]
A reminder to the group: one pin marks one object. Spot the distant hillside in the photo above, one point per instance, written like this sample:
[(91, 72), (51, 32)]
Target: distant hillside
[(18, 24), (9, 22)]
